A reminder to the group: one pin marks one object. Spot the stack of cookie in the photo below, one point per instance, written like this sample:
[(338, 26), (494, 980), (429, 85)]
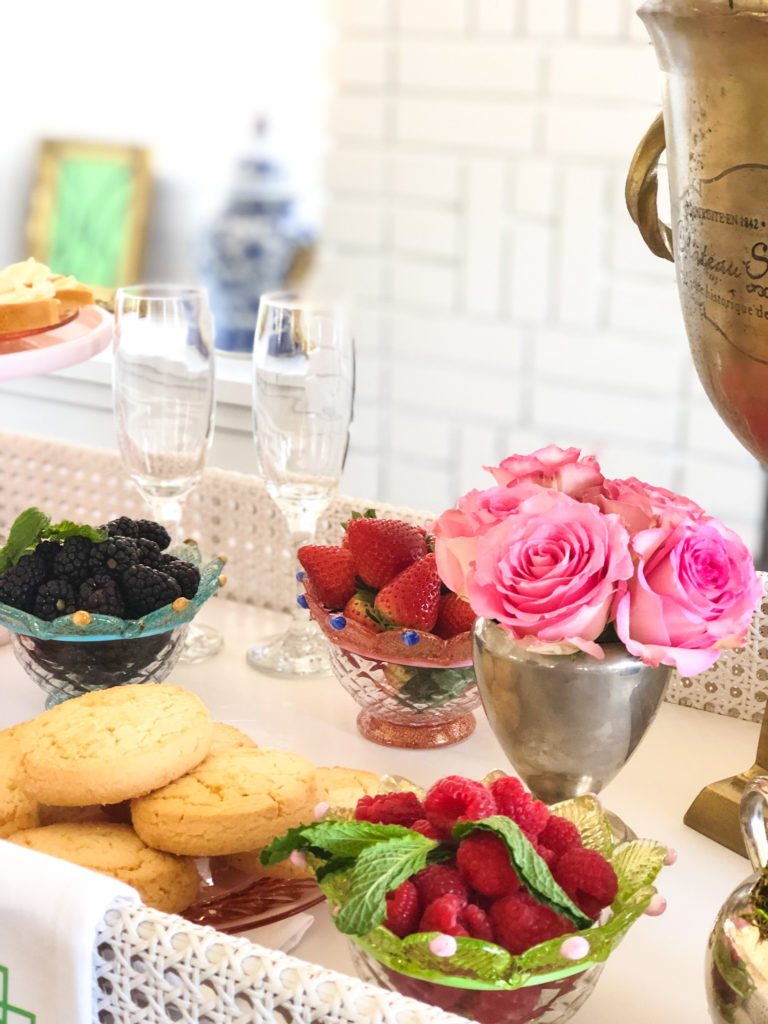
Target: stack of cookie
[(137, 782)]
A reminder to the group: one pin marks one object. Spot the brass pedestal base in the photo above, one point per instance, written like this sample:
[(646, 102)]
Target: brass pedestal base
[(715, 811)]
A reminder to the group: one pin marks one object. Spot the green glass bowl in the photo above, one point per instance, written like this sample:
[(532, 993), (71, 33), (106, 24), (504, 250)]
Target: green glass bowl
[(66, 659)]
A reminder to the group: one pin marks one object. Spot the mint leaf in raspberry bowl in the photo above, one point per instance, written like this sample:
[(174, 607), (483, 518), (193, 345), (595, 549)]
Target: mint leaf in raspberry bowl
[(400, 640), (476, 897)]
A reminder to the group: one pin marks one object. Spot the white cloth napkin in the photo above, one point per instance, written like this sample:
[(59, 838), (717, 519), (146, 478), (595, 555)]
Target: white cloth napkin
[(49, 910), (283, 935)]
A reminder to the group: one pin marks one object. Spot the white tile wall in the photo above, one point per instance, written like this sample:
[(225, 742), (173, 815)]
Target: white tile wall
[(474, 179)]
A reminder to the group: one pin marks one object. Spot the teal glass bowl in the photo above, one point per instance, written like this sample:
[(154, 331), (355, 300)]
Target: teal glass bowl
[(66, 659)]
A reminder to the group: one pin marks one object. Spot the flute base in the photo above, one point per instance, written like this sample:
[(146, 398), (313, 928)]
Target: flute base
[(301, 652), (202, 642)]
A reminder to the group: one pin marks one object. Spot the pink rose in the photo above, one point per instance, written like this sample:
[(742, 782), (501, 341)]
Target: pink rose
[(456, 531), (694, 592), (664, 501), (564, 469), (640, 505), (551, 573), (625, 498)]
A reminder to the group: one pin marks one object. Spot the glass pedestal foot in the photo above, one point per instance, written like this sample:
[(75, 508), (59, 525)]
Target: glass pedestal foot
[(300, 651), (622, 833), (414, 737), (201, 643)]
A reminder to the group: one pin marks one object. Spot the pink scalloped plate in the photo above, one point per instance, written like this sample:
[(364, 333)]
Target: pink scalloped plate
[(234, 902), (429, 651), (73, 341)]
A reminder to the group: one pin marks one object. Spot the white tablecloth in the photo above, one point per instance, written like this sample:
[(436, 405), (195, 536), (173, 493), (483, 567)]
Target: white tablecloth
[(658, 972)]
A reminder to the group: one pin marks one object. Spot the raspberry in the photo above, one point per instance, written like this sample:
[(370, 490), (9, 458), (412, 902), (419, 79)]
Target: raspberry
[(442, 915), (403, 909), (518, 1004), (520, 923), (549, 857), (426, 828), (588, 879), (559, 835), (477, 922), (437, 880), (455, 798), (514, 800), (484, 863), (390, 808)]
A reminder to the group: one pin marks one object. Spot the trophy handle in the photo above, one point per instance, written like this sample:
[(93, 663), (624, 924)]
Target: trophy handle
[(641, 191)]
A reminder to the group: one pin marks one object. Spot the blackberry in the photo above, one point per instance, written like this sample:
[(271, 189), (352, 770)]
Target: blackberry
[(47, 550), (153, 531), (123, 526), (112, 556), (101, 595), (146, 589), (71, 560), (18, 585), (54, 598), (185, 574), (149, 553)]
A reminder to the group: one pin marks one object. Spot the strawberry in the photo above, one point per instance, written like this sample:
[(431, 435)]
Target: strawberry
[(359, 608), (454, 615), (383, 547), (331, 572), (411, 599)]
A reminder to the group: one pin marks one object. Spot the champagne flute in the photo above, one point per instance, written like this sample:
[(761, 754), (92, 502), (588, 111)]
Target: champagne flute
[(303, 388), (163, 392)]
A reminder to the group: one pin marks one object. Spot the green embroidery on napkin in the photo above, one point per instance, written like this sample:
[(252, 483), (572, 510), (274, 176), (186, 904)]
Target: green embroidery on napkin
[(8, 1013)]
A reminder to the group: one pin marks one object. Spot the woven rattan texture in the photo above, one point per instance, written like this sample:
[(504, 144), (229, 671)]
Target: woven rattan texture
[(231, 513), (153, 968)]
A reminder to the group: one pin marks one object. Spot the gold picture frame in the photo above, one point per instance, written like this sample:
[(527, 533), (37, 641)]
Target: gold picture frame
[(88, 211)]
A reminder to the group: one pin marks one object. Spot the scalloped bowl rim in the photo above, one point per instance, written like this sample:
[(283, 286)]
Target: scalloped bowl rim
[(455, 652), (109, 627)]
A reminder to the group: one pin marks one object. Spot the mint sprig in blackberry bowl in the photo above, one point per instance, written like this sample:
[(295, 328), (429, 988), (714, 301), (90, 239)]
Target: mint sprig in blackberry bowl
[(90, 607)]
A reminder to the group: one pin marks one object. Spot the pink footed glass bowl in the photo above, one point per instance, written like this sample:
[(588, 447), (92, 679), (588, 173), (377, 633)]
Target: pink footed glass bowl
[(415, 690)]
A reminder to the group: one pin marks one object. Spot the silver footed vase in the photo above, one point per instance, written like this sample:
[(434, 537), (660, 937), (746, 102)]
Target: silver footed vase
[(567, 722)]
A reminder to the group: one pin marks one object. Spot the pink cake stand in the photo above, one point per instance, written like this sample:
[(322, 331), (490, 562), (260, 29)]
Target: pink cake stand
[(36, 352)]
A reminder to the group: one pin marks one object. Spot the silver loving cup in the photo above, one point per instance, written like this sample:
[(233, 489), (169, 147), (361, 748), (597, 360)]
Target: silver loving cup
[(713, 55), (566, 722), (737, 951)]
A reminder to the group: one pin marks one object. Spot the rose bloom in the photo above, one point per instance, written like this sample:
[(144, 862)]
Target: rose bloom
[(564, 469), (457, 530), (640, 505), (694, 592), (551, 573)]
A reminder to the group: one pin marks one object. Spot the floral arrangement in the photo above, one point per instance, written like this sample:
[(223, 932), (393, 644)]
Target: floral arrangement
[(565, 559)]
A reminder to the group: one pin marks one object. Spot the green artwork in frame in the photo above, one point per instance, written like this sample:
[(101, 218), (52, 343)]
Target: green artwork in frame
[(88, 211)]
